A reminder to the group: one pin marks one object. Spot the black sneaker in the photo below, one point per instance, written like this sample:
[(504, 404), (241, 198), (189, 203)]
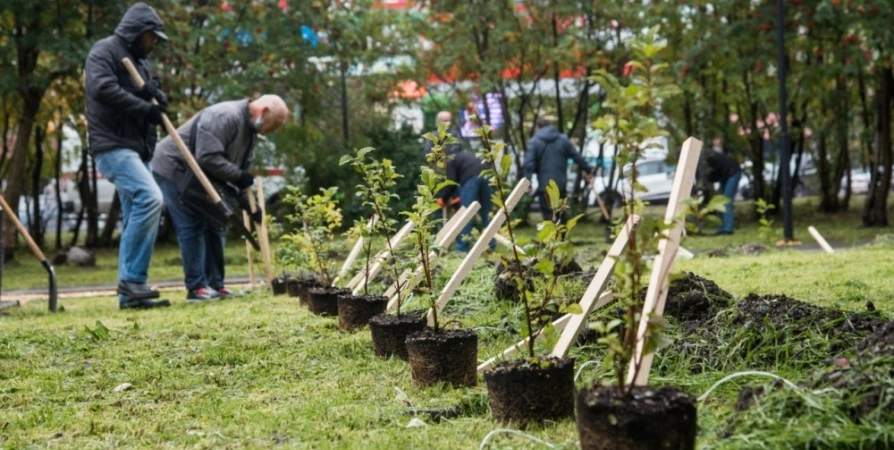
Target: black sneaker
[(142, 303), (202, 295), (136, 290)]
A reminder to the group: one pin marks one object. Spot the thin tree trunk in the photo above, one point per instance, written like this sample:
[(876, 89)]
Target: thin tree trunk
[(92, 208), (36, 229), (16, 180), (875, 213), (866, 135), (58, 177), (111, 221), (6, 117), (559, 114)]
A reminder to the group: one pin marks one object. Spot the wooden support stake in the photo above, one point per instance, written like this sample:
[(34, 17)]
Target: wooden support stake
[(667, 249), (504, 241), (252, 204), (358, 281), (492, 231), (560, 324), (355, 252), (251, 263), (589, 301), (263, 237), (441, 245), (820, 240)]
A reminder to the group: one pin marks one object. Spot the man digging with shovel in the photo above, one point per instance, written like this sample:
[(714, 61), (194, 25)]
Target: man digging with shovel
[(121, 121), (222, 139)]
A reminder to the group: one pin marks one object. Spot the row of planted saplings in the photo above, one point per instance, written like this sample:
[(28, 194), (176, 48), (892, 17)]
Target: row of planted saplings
[(531, 388)]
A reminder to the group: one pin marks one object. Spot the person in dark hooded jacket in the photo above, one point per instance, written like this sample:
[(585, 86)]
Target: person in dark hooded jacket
[(547, 156), (121, 130)]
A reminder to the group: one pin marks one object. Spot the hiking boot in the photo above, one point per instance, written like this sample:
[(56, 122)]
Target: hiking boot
[(226, 293), (142, 303), (136, 291), (202, 295)]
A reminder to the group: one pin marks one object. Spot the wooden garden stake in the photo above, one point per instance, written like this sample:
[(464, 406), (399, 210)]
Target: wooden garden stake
[(560, 324), (591, 298), (263, 237), (356, 283), (264, 243), (492, 231), (408, 280), (820, 240), (667, 249), (504, 241), (251, 264), (355, 252)]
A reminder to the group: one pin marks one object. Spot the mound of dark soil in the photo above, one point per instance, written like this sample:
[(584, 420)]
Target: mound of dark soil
[(695, 298), (504, 286)]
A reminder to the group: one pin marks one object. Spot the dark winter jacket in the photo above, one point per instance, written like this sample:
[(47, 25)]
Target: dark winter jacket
[(116, 114), (462, 165), (547, 156), (224, 143), (716, 167)]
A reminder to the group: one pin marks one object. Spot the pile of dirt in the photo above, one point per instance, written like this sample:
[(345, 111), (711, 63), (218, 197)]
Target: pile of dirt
[(693, 298), (504, 285)]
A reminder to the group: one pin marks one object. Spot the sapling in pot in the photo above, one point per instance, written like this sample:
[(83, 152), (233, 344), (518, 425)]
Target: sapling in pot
[(625, 416), (537, 388), (379, 178), (436, 355), (316, 240)]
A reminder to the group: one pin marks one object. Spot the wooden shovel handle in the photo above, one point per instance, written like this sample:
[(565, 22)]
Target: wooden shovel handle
[(172, 132), (15, 220)]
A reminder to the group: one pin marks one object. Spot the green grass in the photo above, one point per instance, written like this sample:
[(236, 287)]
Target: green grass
[(261, 372)]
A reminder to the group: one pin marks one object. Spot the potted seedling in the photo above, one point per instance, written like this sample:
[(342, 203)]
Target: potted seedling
[(379, 178), (623, 415), (436, 355), (537, 388), (316, 240)]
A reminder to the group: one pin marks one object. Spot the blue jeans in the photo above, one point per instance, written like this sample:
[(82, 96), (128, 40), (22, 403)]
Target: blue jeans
[(201, 245), (474, 189), (141, 203), (729, 186)]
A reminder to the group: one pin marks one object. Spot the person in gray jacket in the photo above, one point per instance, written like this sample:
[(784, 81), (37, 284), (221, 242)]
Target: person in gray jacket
[(121, 131), (224, 137), (547, 156)]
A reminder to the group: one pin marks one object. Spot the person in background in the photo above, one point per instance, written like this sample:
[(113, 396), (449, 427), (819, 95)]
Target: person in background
[(717, 167), (224, 136), (547, 156), (452, 202), (121, 121), (464, 169)]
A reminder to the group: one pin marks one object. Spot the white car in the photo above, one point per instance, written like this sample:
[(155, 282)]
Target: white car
[(653, 174)]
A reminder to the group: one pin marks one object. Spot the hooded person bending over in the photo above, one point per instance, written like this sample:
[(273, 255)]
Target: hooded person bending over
[(224, 136), (121, 121)]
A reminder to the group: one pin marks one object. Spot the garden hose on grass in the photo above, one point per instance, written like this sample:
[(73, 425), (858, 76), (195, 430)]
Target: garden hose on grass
[(53, 288)]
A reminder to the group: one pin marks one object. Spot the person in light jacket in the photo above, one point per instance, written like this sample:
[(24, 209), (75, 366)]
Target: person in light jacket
[(224, 136)]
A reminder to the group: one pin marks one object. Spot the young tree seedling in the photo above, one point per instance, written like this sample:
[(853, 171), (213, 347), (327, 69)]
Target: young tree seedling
[(314, 243)]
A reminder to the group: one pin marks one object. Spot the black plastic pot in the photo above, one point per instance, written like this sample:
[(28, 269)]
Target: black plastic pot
[(446, 357), (648, 418), (324, 301), (354, 311), (279, 284), (389, 333), (520, 392)]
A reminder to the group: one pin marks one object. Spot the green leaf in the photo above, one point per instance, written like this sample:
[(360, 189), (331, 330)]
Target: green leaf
[(545, 267)]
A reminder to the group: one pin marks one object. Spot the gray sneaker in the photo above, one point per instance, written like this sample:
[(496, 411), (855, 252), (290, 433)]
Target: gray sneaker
[(202, 295)]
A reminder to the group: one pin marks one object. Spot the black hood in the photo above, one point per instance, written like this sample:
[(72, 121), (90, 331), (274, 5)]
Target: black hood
[(547, 134), (139, 18)]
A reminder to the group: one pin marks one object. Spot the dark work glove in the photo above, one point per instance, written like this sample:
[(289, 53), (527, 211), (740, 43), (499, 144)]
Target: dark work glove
[(245, 180), (257, 217), (152, 90), (155, 112)]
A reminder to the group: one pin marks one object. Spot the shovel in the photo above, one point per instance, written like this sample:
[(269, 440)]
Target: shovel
[(224, 208), (54, 294)]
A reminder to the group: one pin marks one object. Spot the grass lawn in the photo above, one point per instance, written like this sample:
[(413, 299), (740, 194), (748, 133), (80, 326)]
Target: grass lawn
[(262, 372)]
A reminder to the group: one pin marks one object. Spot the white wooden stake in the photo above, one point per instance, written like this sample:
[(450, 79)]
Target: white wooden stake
[(492, 231), (667, 249), (504, 241), (820, 240), (251, 264), (355, 252), (263, 237), (442, 245), (560, 324), (439, 238), (379, 259), (590, 300)]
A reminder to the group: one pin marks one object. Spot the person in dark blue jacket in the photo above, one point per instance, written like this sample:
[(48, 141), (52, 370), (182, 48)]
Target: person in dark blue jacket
[(121, 129), (547, 156)]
